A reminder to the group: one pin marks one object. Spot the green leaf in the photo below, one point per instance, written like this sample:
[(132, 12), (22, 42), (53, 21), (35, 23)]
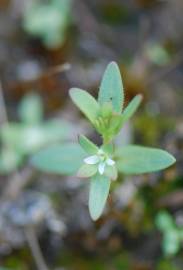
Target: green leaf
[(10, 134), (61, 159), (55, 130), (87, 145), (48, 21), (132, 107), (180, 232), (85, 102), (117, 120), (135, 159), (87, 170), (28, 139), (10, 160), (106, 110), (111, 172), (158, 54), (31, 109), (171, 242), (111, 88), (99, 191), (164, 221), (116, 124), (108, 148)]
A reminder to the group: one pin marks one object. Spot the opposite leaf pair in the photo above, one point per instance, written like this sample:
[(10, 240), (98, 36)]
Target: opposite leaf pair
[(102, 164)]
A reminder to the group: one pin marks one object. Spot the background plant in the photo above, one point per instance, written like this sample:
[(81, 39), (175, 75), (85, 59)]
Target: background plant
[(48, 21), (172, 233), (21, 139)]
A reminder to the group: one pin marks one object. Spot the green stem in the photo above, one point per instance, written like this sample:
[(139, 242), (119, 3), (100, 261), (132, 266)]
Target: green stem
[(106, 140)]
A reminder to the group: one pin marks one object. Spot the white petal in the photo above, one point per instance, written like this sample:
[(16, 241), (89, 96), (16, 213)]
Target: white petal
[(92, 160), (100, 152), (110, 162), (101, 167)]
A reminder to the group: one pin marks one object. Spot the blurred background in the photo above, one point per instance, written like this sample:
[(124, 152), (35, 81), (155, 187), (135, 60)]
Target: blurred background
[(46, 47)]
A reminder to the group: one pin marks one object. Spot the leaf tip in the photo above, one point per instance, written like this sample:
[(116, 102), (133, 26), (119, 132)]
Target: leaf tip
[(75, 90), (172, 159), (94, 216), (71, 91), (113, 63), (113, 66), (140, 97)]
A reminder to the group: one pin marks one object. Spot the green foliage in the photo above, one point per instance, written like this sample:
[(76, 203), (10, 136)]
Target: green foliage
[(157, 54), (28, 138), (31, 109), (111, 88), (86, 171), (172, 234), (9, 160), (133, 159), (61, 159), (21, 139), (48, 21), (87, 145), (3, 268), (99, 190), (132, 107), (105, 115), (168, 264), (105, 162), (15, 262), (85, 102)]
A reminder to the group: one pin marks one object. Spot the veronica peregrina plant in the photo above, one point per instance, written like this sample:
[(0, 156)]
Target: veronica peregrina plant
[(102, 164), (172, 233), (23, 138), (48, 21)]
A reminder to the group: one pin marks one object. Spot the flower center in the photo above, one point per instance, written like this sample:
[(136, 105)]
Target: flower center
[(101, 159)]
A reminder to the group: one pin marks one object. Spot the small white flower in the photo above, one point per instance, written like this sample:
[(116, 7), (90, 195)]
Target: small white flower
[(101, 167), (101, 152), (101, 159), (110, 162), (92, 160)]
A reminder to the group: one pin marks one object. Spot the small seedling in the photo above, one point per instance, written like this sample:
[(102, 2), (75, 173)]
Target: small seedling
[(21, 139), (48, 21), (102, 164), (172, 234)]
